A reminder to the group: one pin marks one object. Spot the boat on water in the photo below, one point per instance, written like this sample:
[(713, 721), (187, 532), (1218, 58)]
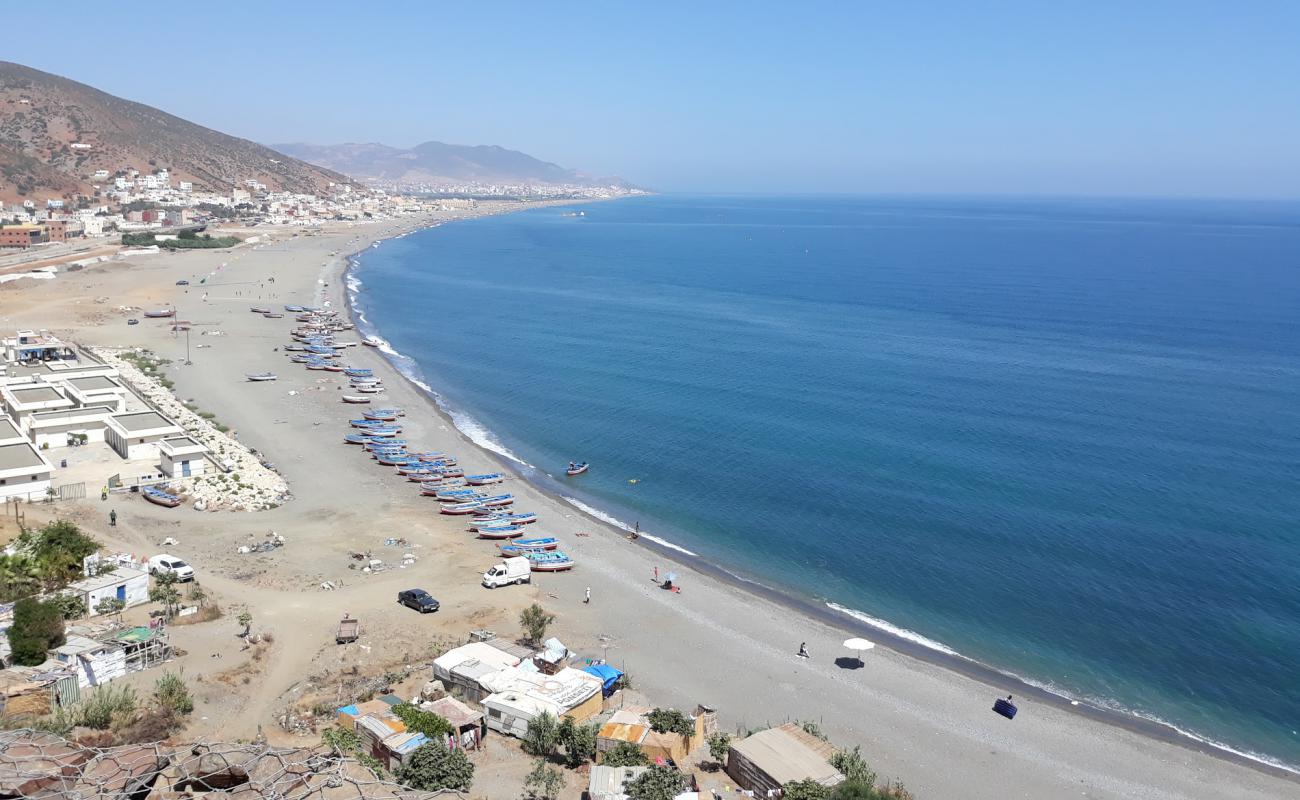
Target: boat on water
[(358, 399), (370, 341), (576, 468), (160, 497), (461, 508), (520, 546), (554, 561), (160, 313), (261, 376), (484, 479), (382, 414), (260, 310)]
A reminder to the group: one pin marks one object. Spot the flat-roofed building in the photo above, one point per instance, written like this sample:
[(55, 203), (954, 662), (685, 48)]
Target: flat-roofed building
[(32, 347), (97, 390), (136, 436), (9, 433), (182, 457), (24, 472), (22, 401), (60, 428)]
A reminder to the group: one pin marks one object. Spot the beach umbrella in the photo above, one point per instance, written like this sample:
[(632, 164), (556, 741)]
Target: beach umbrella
[(859, 646)]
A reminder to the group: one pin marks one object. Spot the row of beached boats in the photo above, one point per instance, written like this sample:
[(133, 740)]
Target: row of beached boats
[(315, 347)]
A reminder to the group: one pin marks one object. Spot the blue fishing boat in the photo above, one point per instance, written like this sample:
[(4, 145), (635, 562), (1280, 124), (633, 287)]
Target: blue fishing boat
[(294, 309), (382, 414), (521, 546), (504, 532), (499, 500), (159, 497), (459, 495), (554, 561), (503, 519), (484, 479), (461, 508)]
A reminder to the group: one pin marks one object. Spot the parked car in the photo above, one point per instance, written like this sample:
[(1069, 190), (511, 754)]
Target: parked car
[(163, 563), (418, 599), (133, 321), (182, 283)]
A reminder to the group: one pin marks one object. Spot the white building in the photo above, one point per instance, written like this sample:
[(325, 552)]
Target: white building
[(96, 390), (94, 662), (9, 433), (131, 586), (53, 429), (182, 457), (520, 694), (136, 436), (24, 472), (24, 401)]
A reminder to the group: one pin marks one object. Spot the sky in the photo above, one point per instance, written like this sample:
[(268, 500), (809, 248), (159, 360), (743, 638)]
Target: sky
[(1150, 98)]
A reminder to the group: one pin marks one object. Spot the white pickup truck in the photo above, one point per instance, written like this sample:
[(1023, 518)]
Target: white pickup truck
[(163, 563), (512, 570)]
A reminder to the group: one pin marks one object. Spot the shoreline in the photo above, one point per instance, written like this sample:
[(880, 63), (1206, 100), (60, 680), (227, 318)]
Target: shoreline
[(827, 613)]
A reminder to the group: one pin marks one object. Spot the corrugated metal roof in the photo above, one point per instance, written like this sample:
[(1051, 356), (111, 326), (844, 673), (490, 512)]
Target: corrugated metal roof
[(784, 755), (623, 732), (606, 783)]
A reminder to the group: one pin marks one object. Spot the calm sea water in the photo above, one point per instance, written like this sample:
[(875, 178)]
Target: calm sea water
[(1061, 438)]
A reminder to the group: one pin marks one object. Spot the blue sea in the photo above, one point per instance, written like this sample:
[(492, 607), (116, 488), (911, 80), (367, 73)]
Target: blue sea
[(1059, 437)]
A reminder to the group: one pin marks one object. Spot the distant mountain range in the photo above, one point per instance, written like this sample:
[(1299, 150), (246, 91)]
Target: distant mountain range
[(439, 164), (55, 133)]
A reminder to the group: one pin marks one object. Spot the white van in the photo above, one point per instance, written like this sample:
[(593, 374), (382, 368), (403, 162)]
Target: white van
[(512, 570)]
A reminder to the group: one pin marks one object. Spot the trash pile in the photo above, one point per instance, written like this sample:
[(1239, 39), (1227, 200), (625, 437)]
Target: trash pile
[(272, 541)]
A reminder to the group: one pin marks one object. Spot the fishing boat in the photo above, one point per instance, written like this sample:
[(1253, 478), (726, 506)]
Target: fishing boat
[(377, 443), (367, 423), (554, 561), (369, 388), (160, 313), (461, 508), (356, 438), (260, 310), (383, 433), (382, 414), (261, 376), (294, 309), (317, 365), (499, 500), (358, 372), (576, 469), (333, 368), (371, 341), (393, 459), (159, 497), (520, 518), (520, 546), (273, 315), (300, 359), (451, 472), (504, 532), (459, 495), (484, 479), (352, 398)]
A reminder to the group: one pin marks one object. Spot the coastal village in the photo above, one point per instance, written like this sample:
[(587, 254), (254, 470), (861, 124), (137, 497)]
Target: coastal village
[(104, 704)]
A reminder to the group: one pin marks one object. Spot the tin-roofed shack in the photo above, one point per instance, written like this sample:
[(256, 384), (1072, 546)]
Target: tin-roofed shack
[(772, 758)]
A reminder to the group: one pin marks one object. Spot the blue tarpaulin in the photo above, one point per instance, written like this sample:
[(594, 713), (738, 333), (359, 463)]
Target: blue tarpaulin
[(607, 674)]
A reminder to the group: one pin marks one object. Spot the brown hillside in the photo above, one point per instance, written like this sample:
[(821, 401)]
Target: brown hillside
[(42, 115)]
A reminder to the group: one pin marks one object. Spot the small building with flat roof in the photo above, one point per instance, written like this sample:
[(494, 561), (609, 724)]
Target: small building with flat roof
[(59, 428), (182, 457), (96, 390), (9, 433), (24, 472), (770, 759), (34, 347), (22, 401), (131, 586), (136, 436)]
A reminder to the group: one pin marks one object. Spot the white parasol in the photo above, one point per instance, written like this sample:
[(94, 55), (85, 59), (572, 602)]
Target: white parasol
[(860, 646)]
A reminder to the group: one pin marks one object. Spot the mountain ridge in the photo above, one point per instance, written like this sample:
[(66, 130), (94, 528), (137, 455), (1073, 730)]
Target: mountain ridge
[(43, 115), (438, 163)]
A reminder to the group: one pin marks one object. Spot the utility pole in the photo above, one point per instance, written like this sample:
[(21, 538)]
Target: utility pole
[(187, 346)]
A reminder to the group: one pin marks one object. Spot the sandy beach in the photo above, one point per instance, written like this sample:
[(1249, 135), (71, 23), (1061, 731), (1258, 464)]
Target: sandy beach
[(925, 723)]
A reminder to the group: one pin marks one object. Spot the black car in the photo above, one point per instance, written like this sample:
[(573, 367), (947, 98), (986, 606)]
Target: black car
[(418, 599), (182, 283)]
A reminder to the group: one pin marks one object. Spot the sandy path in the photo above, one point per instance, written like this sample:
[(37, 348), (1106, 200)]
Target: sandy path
[(710, 644)]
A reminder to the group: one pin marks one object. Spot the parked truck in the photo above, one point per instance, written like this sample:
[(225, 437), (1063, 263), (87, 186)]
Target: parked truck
[(512, 570)]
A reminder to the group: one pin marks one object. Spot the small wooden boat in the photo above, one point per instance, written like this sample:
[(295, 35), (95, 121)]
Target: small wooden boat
[(520, 546), (367, 423), (576, 469), (356, 438), (459, 495), (317, 365), (484, 479), (499, 500), (261, 376), (495, 518), (333, 368), (357, 399), (381, 414), (504, 532), (357, 372), (555, 561), (300, 359), (159, 497), (260, 310), (377, 443), (393, 459), (160, 313), (273, 315), (294, 309), (369, 388), (383, 432), (370, 341), (461, 508), (294, 348)]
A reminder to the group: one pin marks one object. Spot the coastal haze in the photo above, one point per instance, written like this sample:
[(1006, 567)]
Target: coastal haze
[(969, 334)]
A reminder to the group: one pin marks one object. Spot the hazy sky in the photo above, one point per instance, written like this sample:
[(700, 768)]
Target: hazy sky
[(1149, 97)]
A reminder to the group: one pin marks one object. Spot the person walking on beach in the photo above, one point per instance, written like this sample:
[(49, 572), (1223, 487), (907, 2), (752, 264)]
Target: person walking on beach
[(588, 598), (656, 573), (112, 518)]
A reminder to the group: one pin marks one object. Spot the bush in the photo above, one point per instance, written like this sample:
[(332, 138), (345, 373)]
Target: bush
[(37, 628), (625, 754), (534, 620), (670, 720), (853, 767), (107, 705), (720, 747), (543, 735), (657, 783), (806, 789), (420, 721), (70, 606), (544, 783), (579, 741), (432, 767), (171, 692)]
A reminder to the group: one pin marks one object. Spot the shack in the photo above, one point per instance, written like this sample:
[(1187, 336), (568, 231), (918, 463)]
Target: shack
[(520, 694), (606, 783), (631, 724), (770, 759), (467, 722), (94, 663), (131, 586), (399, 747), (462, 669)]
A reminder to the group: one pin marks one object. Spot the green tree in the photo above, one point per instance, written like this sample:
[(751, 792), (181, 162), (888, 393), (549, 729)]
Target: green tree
[(341, 741), (197, 596), (806, 789), (670, 720), (579, 741), (432, 767), (657, 783), (110, 605), (420, 721), (171, 692), (534, 620), (719, 747), (37, 628), (852, 766), (625, 754), (544, 782), (20, 576), (860, 790), (164, 591), (71, 606), (542, 736)]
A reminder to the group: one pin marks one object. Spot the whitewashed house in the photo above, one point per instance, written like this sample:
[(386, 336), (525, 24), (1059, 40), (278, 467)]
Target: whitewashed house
[(24, 472), (136, 436), (182, 457)]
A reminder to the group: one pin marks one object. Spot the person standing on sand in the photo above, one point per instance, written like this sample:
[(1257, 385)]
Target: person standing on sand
[(112, 518), (588, 598)]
